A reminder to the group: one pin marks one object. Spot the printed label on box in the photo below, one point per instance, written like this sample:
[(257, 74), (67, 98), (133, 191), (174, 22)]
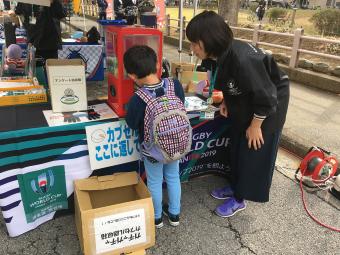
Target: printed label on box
[(119, 230)]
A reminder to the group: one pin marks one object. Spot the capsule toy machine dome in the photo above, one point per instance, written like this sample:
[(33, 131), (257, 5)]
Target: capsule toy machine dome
[(118, 40)]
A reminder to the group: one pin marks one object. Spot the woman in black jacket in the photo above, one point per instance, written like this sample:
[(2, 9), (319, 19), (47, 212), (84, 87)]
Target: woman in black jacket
[(256, 95)]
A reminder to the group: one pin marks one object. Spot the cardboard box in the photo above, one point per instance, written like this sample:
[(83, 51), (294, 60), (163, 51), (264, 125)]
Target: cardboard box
[(187, 76), (67, 82), (114, 214), (189, 79), (140, 252), (36, 2), (180, 67)]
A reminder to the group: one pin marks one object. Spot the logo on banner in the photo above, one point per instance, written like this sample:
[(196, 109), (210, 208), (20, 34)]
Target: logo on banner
[(44, 182), (76, 54), (43, 192)]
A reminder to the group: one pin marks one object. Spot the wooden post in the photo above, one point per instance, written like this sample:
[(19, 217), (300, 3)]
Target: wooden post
[(294, 58), (256, 34), (167, 25), (184, 21), (92, 10), (292, 22), (86, 8)]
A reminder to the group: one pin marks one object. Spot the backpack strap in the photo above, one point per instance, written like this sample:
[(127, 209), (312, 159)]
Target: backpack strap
[(144, 95), (169, 86)]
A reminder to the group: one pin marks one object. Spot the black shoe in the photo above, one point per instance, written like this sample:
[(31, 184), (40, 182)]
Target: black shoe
[(159, 222), (173, 219)]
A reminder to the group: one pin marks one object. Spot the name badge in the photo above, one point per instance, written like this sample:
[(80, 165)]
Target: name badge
[(207, 115), (33, 20)]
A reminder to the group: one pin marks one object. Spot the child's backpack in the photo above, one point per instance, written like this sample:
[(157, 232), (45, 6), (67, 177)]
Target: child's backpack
[(167, 129)]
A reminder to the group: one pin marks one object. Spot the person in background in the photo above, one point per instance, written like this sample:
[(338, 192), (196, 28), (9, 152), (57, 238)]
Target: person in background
[(93, 35), (118, 8), (43, 27), (131, 11), (7, 5), (260, 10), (102, 5), (256, 96), (141, 65), (26, 11)]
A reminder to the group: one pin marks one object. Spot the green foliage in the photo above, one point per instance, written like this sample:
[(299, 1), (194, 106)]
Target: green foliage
[(327, 21), (333, 48), (275, 14), (253, 6), (251, 16)]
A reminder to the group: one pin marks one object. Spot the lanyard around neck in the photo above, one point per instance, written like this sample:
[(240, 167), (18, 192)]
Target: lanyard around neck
[(212, 81)]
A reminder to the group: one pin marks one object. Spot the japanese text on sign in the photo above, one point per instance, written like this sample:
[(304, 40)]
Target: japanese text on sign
[(120, 230), (67, 80), (112, 144)]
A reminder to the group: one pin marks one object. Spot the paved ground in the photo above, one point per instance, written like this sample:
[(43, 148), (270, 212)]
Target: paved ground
[(280, 226)]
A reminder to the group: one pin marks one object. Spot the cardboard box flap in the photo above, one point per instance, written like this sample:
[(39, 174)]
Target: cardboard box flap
[(64, 62), (108, 181)]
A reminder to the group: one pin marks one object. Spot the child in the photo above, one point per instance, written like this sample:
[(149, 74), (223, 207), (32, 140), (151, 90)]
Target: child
[(141, 65)]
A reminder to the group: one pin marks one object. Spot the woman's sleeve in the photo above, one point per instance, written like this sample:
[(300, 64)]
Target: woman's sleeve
[(179, 90), (255, 79)]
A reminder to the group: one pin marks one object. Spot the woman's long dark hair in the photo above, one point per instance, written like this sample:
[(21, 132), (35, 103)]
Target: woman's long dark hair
[(212, 30)]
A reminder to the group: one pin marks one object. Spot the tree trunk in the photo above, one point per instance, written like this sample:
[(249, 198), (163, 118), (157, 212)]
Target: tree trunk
[(228, 9)]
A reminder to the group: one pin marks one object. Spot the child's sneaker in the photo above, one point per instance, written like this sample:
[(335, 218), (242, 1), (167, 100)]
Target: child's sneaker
[(222, 193), (159, 222), (173, 219), (230, 207)]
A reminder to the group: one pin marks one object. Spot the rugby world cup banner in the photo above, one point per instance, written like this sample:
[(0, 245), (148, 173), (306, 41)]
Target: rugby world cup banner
[(209, 149), (39, 165), (37, 169), (43, 192)]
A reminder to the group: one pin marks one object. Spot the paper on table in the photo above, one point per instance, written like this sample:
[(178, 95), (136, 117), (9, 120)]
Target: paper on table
[(194, 103), (59, 119)]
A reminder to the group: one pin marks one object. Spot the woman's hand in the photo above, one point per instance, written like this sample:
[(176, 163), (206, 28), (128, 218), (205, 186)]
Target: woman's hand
[(254, 134), (223, 109)]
